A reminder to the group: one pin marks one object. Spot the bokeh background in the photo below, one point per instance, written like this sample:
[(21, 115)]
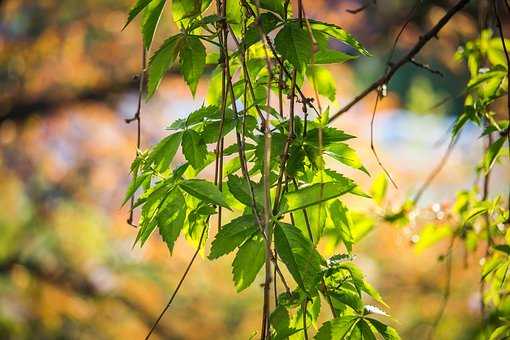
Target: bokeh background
[(67, 266)]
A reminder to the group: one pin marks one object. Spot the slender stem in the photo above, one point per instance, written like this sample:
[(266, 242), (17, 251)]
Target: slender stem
[(183, 277)]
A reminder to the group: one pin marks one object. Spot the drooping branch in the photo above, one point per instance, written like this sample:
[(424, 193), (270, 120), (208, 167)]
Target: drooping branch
[(386, 77)]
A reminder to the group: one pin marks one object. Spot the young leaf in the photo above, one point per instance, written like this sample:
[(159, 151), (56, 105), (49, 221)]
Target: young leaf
[(329, 135), (248, 262), (315, 194), (192, 59), (163, 59), (337, 329), (232, 235), (294, 44), (205, 191), (299, 256), (151, 20), (194, 148)]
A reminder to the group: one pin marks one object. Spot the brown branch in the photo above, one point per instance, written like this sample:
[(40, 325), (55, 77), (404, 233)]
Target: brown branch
[(384, 79)]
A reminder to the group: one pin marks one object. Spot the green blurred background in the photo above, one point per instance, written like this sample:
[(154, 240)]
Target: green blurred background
[(67, 266)]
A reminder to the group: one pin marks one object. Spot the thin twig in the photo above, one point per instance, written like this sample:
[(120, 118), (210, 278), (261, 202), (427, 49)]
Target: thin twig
[(180, 282), (427, 67), (384, 79), (372, 145), (447, 289)]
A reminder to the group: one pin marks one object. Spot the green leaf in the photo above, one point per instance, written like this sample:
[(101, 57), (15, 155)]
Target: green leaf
[(164, 152), (241, 191), (280, 321), (294, 44), (136, 9), (205, 191), (192, 59), (151, 20), (339, 34), (323, 81), (232, 235), (500, 333), (492, 154), (135, 183), (184, 9), (387, 332), (329, 135), (194, 148), (366, 331), (277, 6), (248, 262), (337, 329), (315, 194), (342, 220), (379, 188), (345, 154), (299, 256), (267, 21), (171, 219), (161, 61), (329, 56)]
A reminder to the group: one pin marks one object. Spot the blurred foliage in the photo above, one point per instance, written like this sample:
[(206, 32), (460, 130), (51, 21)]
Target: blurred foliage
[(67, 268)]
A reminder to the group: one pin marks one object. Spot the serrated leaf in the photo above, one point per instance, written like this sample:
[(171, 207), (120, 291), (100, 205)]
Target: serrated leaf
[(184, 9), (240, 189), (161, 61), (338, 33), (171, 219), (248, 261), (232, 235), (194, 148), (299, 256), (387, 332), (337, 329), (150, 21), (294, 44), (341, 219), (314, 194), (192, 60), (164, 152), (366, 331), (205, 191), (136, 9), (345, 154), (329, 135), (491, 155), (136, 182)]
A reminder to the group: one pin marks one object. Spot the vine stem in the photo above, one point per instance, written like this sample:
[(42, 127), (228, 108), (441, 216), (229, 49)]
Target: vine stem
[(384, 79)]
